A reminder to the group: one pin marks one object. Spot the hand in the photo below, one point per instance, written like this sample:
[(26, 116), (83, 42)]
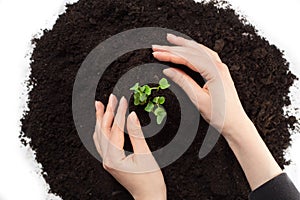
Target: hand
[(138, 173), (217, 100), (219, 104)]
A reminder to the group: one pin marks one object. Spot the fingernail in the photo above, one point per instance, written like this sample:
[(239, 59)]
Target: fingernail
[(112, 97), (169, 72), (154, 54), (113, 101), (155, 46), (134, 117), (171, 36), (123, 100), (97, 105)]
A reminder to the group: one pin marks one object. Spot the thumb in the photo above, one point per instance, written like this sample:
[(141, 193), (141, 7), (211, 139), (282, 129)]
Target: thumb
[(136, 136), (197, 95)]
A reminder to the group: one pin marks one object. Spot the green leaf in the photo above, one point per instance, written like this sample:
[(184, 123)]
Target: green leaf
[(142, 89), (155, 100), (136, 97), (149, 107), (135, 87), (161, 100), (158, 111), (164, 84), (147, 90), (159, 119), (143, 97), (160, 114)]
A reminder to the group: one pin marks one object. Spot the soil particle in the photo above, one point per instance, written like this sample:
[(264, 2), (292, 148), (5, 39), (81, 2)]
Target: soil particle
[(219, 45)]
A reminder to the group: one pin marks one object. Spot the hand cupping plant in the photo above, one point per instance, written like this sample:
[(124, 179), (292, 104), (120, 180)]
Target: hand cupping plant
[(142, 97)]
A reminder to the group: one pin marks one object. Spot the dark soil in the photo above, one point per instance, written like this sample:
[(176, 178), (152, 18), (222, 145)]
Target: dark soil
[(260, 72)]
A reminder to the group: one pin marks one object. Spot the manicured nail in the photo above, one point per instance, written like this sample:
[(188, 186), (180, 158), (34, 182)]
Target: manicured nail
[(169, 72), (134, 117), (112, 98), (96, 102), (155, 46), (154, 53), (98, 105), (171, 36), (113, 101), (123, 100)]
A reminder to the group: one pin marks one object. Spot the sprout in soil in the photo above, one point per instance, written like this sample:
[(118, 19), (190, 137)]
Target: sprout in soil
[(142, 94)]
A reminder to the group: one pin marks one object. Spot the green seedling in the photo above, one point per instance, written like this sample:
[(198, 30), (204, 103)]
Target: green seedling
[(142, 94)]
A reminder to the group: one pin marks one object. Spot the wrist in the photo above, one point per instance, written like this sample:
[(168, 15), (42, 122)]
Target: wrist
[(253, 155), (238, 134)]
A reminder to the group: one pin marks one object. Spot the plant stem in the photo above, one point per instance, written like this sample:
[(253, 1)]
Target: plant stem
[(157, 88)]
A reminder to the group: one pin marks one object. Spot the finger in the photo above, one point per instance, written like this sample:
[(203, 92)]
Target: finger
[(117, 131), (197, 95), (97, 142), (109, 114), (212, 53), (99, 110), (164, 48), (99, 115), (180, 41), (198, 60), (169, 57), (201, 60), (137, 139), (177, 40)]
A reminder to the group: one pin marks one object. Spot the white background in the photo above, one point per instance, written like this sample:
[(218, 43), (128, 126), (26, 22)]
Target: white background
[(20, 20)]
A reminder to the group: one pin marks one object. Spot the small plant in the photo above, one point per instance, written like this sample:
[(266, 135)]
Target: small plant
[(141, 97)]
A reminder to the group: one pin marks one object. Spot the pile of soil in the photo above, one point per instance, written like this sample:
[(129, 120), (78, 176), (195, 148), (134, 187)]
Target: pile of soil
[(260, 72)]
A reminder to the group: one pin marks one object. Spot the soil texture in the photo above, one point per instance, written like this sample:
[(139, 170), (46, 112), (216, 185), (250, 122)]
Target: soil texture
[(260, 73)]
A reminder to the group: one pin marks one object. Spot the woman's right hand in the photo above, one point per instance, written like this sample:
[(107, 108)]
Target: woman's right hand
[(217, 101), (138, 172)]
